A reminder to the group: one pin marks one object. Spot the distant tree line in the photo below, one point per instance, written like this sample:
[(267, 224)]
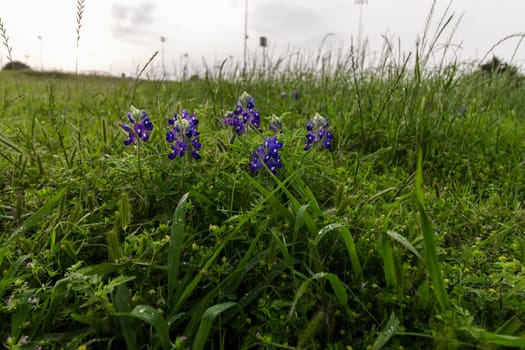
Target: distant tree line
[(16, 65), (497, 66)]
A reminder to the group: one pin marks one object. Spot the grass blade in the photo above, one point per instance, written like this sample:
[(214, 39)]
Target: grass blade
[(175, 245), (404, 242), (387, 333), (9, 276), (511, 326), (122, 303), (154, 318), (388, 261), (302, 289), (207, 321), (430, 251), (502, 339), (352, 253), (33, 220), (350, 247), (36, 217), (336, 284), (299, 218)]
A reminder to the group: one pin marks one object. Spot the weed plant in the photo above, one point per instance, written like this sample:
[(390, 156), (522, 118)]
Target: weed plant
[(400, 226)]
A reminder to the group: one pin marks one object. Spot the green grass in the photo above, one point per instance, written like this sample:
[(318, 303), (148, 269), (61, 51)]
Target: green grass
[(368, 246)]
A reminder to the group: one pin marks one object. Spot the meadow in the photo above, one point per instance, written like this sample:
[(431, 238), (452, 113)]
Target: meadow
[(400, 226)]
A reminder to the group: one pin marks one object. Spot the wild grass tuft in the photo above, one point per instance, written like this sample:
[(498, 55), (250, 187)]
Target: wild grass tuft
[(5, 40), (80, 13)]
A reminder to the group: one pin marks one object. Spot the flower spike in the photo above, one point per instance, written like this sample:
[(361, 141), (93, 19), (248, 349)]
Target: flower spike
[(140, 128), (318, 131), (184, 135)]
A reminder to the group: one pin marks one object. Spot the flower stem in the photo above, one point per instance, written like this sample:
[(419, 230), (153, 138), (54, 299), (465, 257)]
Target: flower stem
[(141, 176)]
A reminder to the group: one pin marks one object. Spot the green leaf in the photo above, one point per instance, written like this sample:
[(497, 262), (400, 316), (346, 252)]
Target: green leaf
[(302, 289), (175, 245), (511, 326), (271, 197), (6, 142), (207, 321), (350, 247), (387, 333), (352, 253), (502, 339), (496, 338), (122, 303), (419, 179), (404, 242), (100, 269), (36, 217), (299, 219), (154, 318), (9, 276), (20, 317), (294, 202), (388, 262), (336, 284)]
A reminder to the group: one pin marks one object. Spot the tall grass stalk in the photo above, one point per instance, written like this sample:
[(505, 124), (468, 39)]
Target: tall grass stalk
[(5, 40), (176, 245), (430, 251), (80, 13), (139, 75)]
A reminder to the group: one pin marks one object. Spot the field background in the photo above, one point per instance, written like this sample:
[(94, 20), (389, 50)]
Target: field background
[(409, 233)]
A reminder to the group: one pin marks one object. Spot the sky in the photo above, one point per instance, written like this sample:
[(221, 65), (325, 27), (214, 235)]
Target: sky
[(120, 36)]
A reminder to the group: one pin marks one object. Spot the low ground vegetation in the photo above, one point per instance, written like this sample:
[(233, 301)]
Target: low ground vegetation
[(395, 221)]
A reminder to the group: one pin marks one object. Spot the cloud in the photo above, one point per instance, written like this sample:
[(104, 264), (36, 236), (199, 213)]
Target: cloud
[(235, 3), (287, 22), (132, 22)]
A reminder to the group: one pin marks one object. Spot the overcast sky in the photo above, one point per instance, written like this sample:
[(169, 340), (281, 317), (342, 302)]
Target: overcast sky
[(117, 36)]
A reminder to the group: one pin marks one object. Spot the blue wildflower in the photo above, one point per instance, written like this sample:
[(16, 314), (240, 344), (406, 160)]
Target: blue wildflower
[(318, 131), (269, 154), (295, 95), (243, 114), (184, 135), (276, 125), (141, 126)]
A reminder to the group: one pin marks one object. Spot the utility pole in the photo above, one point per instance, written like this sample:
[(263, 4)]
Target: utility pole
[(245, 34), (360, 28), (163, 40), (263, 42), (41, 56)]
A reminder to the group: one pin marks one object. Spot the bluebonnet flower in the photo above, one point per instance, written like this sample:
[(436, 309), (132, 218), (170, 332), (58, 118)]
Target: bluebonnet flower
[(276, 125), (269, 154), (184, 135), (243, 114), (295, 95), (141, 126), (318, 131)]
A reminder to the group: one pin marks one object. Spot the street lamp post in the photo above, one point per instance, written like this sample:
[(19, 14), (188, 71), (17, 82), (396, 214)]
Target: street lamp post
[(263, 42), (245, 34), (360, 28), (41, 56), (163, 40)]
